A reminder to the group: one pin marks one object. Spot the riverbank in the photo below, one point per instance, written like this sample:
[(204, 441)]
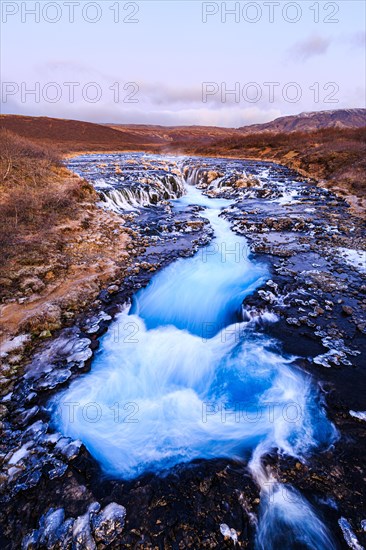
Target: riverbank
[(59, 250)]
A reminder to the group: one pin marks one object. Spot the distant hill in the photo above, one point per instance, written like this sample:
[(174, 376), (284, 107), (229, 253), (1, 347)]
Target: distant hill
[(178, 138), (308, 122), (75, 135)]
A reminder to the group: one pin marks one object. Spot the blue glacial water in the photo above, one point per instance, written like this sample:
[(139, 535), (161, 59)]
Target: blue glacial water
[(179, 376)]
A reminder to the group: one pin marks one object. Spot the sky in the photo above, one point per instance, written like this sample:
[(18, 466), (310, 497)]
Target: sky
[(181, 62)]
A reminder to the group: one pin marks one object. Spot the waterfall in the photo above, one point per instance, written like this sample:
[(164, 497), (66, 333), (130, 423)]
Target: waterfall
[(180, 376), (137, 195), (288, 521), (125, 188)]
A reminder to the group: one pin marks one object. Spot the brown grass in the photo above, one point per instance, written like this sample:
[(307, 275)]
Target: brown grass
[(34, 194), (57, 248)]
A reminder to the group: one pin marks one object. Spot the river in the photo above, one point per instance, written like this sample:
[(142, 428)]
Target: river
[(181, 374)]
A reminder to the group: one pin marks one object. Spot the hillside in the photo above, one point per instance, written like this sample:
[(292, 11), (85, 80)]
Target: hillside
[(176, 139), (75, 135), (308, 122), (57, 247)]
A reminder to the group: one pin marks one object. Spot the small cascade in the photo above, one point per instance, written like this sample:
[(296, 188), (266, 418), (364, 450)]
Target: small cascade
[(125, 187), (287, 521), (140, 194)]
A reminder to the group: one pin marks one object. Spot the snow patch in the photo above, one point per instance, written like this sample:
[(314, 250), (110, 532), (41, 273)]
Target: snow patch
[(356, 258)]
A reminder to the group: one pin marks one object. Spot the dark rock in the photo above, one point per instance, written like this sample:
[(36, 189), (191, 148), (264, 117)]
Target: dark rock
[(347, 310)]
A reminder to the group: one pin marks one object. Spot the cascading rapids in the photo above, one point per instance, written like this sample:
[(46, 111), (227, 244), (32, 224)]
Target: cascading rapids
[(179, 376), (138, 181)]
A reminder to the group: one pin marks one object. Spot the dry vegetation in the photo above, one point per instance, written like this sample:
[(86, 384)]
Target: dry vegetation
[(36, 193), (77, 136), (336, 157), (57, 248)]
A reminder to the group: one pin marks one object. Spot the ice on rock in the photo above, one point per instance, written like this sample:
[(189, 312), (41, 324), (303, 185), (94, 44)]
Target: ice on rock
[(229, 533), (54, 379), (93, 528), (35, 431), (50, 439), (361, 415), (92, 325), (68, 448), (49, 525), (30, 397), (267, 296), (356, 258), (7, 397), (27, 414), (82, 535), (80, 351), (337, 353), (349, 535), (21, 453), (30, 541), (68, 348), (31, 481), (339, 345), (109, 523), (14, 344), (58, 470), (64, 534), (332, 357)]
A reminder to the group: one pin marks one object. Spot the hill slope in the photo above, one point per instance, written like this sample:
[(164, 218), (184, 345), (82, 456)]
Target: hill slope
[(317, 120), (75, 135)]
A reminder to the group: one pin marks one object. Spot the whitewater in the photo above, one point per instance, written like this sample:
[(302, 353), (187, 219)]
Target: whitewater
[(180, 375)]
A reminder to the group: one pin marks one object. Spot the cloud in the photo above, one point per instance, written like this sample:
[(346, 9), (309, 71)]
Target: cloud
[(356, 39), (311, 47), (317, 45), (142, 113)]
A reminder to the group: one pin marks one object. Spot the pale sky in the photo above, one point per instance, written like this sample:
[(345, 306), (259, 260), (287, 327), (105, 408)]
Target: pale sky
[(178, 60)]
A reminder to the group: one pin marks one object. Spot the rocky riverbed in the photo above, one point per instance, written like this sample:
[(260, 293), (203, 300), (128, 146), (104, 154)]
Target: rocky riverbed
[(53, 492)]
